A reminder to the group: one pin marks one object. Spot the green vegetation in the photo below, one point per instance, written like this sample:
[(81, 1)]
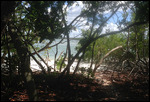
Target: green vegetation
[(59, 62), (124, 53)]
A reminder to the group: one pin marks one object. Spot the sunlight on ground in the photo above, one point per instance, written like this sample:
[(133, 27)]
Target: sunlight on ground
[(106, 82)]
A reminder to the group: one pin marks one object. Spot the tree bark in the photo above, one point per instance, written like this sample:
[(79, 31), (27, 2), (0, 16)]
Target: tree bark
[(40, 58), (26, 43), (136, 45), (90, 40), (25, 65), (9, 59), (45, 47), (69, 52), (92, 57), (94, 39), (68, 41), (114, 49), (55, 57), (41, 66), (77, 67), (63, 61)]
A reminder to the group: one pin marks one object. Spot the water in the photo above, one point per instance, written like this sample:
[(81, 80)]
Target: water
[(61, 48), (51, 53)]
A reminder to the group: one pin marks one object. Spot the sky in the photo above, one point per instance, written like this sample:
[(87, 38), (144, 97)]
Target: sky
[(74, 11)]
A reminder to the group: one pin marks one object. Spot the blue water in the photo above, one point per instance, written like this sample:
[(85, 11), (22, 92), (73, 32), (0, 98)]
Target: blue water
[(61, 48)]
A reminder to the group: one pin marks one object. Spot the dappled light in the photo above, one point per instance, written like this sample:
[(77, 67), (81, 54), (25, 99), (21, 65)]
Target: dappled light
[(73, 88), (74, 51)]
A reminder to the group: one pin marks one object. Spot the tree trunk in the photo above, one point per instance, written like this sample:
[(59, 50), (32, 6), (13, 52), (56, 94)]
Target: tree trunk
[(77, 67), (68, 41), (10, 67), (143, 43), (43, 70), (55, 57), (25, 65), (63, 61), (72, 60), (40, 58), (90, 69), (136, 45), (128, 42), (69, 52), (114, 49), (94, 39), (45, 47), (28, 77)]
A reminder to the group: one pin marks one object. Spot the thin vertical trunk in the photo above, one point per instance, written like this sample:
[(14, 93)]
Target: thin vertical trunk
[(77, 67), (49, 69), (98, 65), (148, 42), (128, 48), (3, 57), (128, 41), (68, 41), (10, 68), (63, 60), (55, 57), (136, 45), (93, 23), (143, 43), (92, 58), (69, 52), (72, 60)]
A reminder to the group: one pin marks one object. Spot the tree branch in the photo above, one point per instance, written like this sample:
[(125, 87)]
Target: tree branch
[(94, 39), (105, 21), (118, 47)]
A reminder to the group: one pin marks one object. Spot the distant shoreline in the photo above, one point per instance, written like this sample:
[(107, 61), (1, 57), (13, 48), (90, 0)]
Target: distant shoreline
[(35, 67), (74, 38)]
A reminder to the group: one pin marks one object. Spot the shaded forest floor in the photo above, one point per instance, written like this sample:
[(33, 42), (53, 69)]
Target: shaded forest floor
[(80, 88)]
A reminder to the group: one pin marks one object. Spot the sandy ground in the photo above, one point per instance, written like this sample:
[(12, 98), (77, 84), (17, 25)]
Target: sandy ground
[(35, 66)]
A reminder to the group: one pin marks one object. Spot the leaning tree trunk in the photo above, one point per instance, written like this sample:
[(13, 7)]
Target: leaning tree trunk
[(43, 70), (114, 49), (90, 40), (26, 72)]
